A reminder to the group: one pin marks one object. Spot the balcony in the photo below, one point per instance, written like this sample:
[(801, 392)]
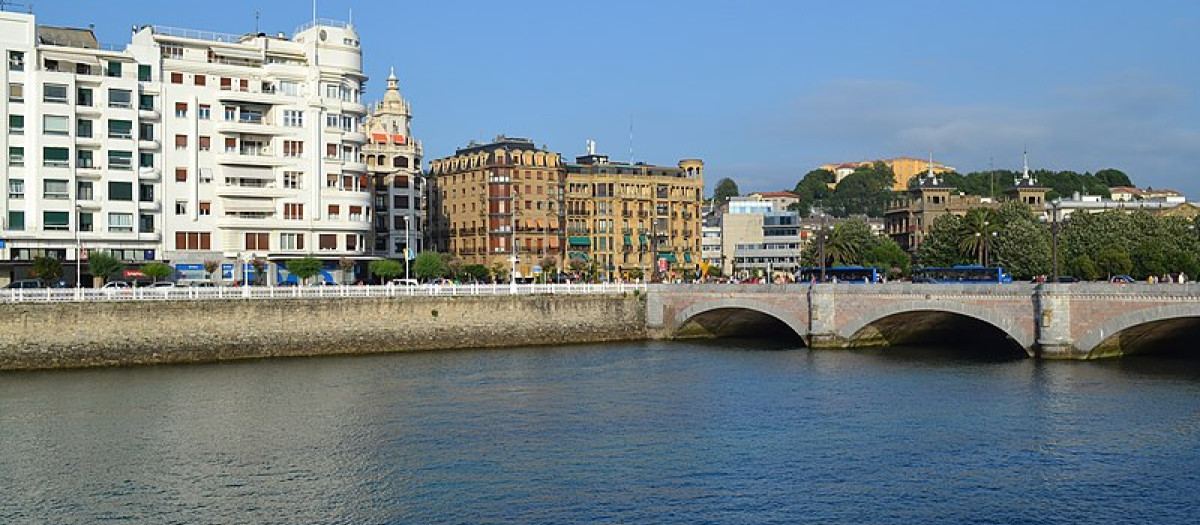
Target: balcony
[(234, 94), (251, 125), (87, 110), (149, 205), (149, 113), (149, 144), (260, 157), (267, 191), (150, 174), (354, 166), (356, 137), (150, 236)]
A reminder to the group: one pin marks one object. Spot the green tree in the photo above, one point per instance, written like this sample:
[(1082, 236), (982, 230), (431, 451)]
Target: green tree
[(888, 257), (864, 192), (48, 269), (476, 272), (1084, 268), (725, 189), (1022, 248), (385, 269), (851, 243), (940, 247), (103, 265), (813, 188), (1114, 260), (157, 270), (304, 268), (430, 265)]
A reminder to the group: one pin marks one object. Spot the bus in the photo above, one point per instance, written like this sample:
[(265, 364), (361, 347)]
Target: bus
[(841, 274), (961, 274)]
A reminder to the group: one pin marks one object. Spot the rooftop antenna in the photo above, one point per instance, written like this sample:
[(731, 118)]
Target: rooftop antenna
[(631, 139), (314, 13), (256, 15)]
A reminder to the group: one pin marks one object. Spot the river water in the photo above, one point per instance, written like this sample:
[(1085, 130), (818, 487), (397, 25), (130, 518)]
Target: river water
[(647, 432)]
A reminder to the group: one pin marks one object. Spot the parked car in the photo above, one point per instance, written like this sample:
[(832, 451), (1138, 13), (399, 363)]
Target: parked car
[(441, 282), (163, 284), (1121, 279), (1068, 279), (402, 282), (25, 283), (116, 285)]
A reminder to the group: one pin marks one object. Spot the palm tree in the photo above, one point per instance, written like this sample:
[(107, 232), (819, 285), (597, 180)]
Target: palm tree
[(841, 248), (978, 226)]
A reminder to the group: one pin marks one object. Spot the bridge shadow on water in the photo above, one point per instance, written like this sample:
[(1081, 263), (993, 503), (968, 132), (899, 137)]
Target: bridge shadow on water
[(1177, 338), (929, 333), (744, 326)]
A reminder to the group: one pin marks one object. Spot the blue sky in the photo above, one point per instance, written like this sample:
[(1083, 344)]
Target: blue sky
[(766, 91)]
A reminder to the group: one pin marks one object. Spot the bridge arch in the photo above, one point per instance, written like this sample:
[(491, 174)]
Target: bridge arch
[(696, 314), (1148, 327), (1007, 325)]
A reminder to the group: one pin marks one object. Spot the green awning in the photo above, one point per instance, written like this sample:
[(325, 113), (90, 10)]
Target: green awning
[(642, 239), (670, 257), (687, 257), (579, 241), (628, 241), (578, 255)]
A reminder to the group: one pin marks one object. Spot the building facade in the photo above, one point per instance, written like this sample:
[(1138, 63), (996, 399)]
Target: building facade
[(905, 168), (393, 160), (184, 146), (629, 221), (759, 237), (499, 205)]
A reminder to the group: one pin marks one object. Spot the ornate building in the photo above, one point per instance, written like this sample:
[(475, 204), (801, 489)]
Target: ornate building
[(498, 205), (393, 161)]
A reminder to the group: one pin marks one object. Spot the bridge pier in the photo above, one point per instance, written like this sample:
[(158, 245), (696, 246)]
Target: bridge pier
[(1052, 309)]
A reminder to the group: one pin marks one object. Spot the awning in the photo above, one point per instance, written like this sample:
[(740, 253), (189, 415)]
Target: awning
[(398, 140), (554, 242), (578, 255), (252, 54), (248, 205), (528, 224), (642, 239), (687, 257), (540, 224), (669, 256), (245, 172), (553, 224), (628, 241), (74, 59), (379, 138), (580, 241)]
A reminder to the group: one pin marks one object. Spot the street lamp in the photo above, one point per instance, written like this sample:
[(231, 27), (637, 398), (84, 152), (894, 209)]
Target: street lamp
[(1054, 206), (406, 241), (78, 249)]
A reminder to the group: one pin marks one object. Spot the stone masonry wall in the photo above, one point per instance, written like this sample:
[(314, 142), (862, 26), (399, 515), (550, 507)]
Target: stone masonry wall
[(65, 335)]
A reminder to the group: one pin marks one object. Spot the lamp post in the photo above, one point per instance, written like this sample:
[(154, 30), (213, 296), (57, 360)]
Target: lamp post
[(406, 241), (78, 249), (1054, 205)]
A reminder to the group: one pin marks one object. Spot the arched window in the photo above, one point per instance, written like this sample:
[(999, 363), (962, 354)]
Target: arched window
[(400, 162)]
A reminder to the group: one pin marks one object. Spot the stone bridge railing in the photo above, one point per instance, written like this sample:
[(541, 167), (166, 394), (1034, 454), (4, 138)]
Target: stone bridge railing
[(1056, 321)]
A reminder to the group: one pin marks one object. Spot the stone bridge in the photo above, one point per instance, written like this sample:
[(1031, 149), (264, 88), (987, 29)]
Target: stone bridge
[(1052, 321)]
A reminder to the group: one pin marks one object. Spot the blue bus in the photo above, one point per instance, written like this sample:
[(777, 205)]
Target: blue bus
[(841, 274), (962, 274)]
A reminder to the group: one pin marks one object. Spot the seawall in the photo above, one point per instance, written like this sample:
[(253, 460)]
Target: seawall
[(91, 334)]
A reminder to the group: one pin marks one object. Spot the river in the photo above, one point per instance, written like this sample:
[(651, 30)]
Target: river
[(647, 432)]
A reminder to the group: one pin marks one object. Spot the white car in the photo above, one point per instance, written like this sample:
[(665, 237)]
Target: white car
[(402, 282), (116, 285)]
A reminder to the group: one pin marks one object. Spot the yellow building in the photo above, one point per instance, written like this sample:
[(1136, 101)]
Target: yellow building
[(491, 202), (905, 168), (625, 220)]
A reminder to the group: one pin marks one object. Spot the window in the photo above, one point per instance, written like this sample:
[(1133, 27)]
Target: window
[(289, 88), (291, 179), (16, 124), (204, 207), (181, 109), (114, 69), (120, 222), (205, 175), (356, 213), (145, 160), (16, 220), (16, 92), (200, 80), (146, 223), (332, 120), (146, 131), (258, 241), (205, 143), (84, 97), (146, 102), (180, 207), (55, 189), (54, 93), (180, 141), (180, 174), (16, 189), (230, 145), (16, 61), (120, 98), (331, 151), (293, 118), (120, 129), (83, 128), (120, 191), (86, 223), (56, 157), (351, 243), (333, 212), (173, 52), (143, 73), (230, 112), (51, 65), (291, 241), (83, 159), (83, 190), (83, 69), (204, 112), (56, 125), (193, 241), (145, 192), (293, 148), (16, 156), (176, 78), (327, 241), (293, 211), (120, 160), (56, 220)]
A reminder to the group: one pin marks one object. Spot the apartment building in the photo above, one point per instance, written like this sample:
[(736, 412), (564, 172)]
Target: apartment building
[(393, 161), (82, 127), (634, 220), (499, 205), (759, 236), (259, 146)]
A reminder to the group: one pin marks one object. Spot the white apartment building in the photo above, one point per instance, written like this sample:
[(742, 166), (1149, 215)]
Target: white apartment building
[(393, 161), (185, 147), (78, 121), (758, 238)]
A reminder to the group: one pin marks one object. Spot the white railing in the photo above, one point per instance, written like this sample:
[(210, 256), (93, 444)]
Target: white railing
[(68, 295)]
